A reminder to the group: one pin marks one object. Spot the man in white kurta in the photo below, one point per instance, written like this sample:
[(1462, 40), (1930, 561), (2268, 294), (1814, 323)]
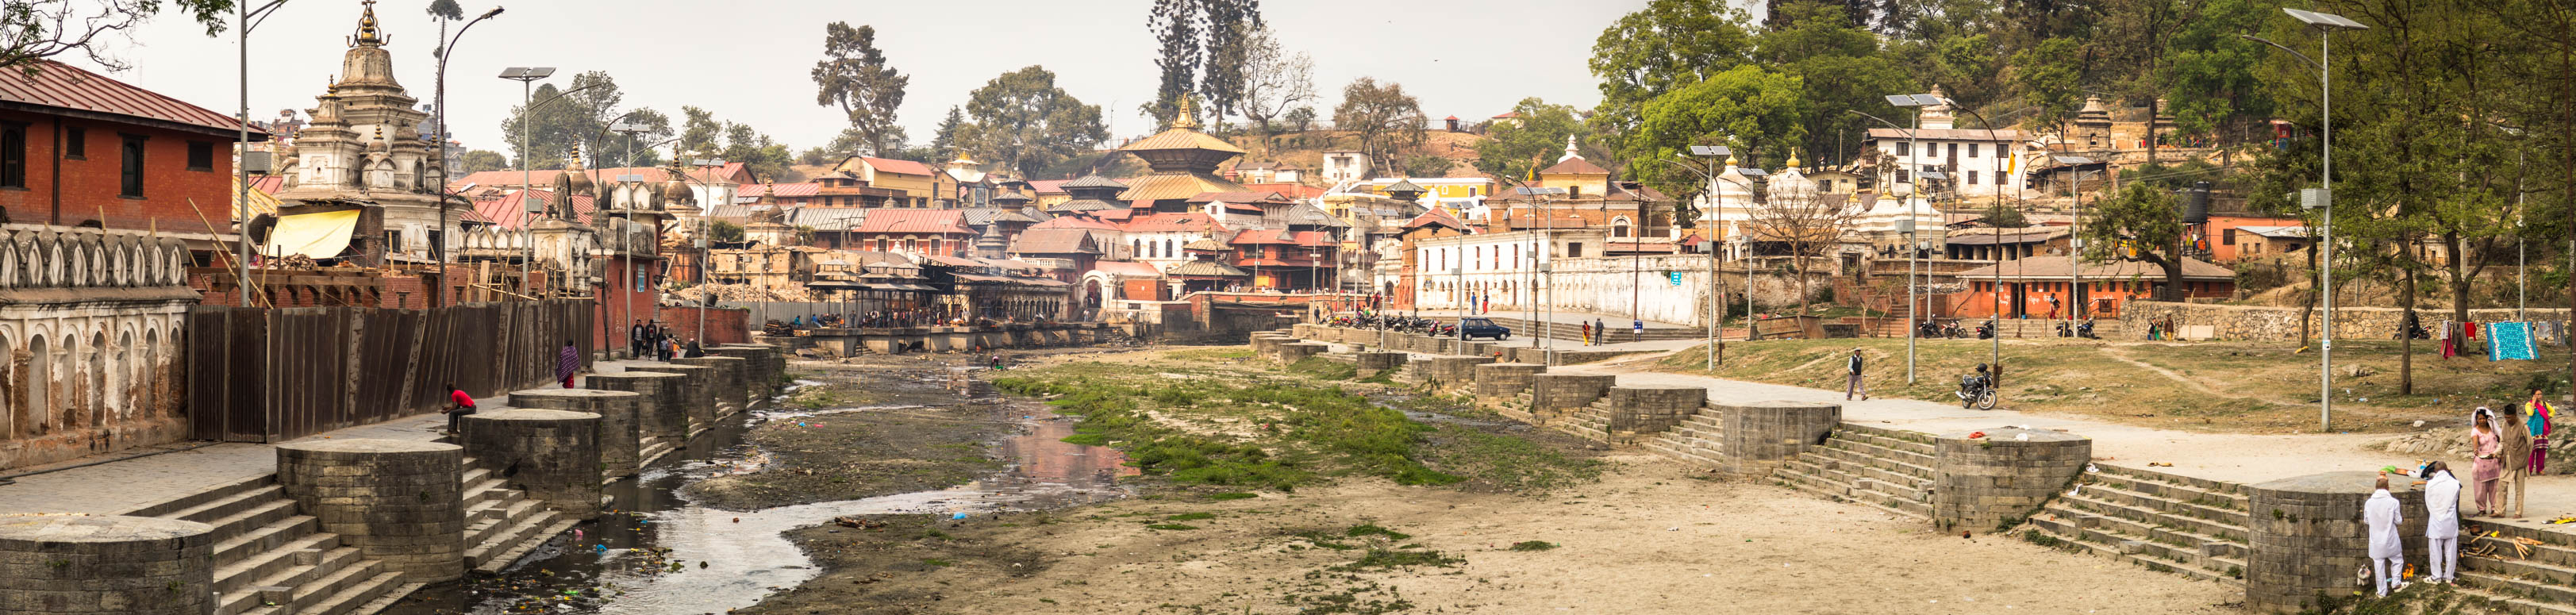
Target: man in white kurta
[(2387, 556), (2442, 522)]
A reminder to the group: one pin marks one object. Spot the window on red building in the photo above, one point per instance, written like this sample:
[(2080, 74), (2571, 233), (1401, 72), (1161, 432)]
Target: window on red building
[(201, 156), (13, 155), (76, 143), (131, 184)]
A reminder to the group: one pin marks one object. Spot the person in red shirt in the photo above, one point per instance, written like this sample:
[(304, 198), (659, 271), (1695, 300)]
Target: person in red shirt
[(463, 405)]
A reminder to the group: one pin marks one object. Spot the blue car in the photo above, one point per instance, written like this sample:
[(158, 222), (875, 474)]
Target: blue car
[(1472, 328)]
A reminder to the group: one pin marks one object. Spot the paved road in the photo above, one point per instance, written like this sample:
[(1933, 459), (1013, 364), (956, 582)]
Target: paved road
[(2243, 458)]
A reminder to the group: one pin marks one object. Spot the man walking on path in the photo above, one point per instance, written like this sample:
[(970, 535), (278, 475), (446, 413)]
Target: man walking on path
[(1851, 384), (566, 363), (635, 339), (2517, 462), (2382, 515), (461, 405), (1600, 332)]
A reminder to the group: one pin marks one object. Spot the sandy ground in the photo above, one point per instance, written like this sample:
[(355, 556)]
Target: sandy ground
[(1652, 537)]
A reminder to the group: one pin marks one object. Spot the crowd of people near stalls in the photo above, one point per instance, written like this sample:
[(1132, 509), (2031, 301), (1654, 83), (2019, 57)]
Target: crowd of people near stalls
[(659, 341), (2511, 446)]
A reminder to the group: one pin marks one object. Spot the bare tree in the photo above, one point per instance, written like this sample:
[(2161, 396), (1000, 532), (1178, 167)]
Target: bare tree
[(1273, 81), (1804, 223), (32, 31)]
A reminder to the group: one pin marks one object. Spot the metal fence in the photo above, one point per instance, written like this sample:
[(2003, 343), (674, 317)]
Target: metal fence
[(260, 375)]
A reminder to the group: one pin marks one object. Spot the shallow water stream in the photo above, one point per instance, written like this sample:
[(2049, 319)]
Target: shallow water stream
[(660, 554)]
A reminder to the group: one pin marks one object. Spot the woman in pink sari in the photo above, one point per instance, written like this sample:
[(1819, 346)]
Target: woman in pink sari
[(2489, 465)]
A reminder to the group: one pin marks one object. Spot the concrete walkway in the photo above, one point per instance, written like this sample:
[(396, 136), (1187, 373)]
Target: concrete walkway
[(125, 483), (2242, 458)]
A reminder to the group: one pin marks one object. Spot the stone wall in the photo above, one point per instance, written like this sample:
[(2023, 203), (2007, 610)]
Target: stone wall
[(661, 410), (2243, 322), (552, 455), (399, 501), (1497, 383), (90, 342), (1759, 436), (2308, 537), (1449, 373), (619, 435), (2002, 477), (1645, 409), (106, 564), (1371, 363), (1553, 396)]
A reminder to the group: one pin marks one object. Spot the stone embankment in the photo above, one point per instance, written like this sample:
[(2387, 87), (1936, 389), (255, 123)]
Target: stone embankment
[(2283, 541), (350, 526)]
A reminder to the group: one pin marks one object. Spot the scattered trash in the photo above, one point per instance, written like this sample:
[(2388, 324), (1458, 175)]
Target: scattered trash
[(2090, 469), (2021, 437), (2158, 464), (1976, 434), (1673, 529), (2419, 423), (1963, 533)]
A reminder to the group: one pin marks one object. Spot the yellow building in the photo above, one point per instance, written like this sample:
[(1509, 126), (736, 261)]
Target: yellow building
[(914, 179)]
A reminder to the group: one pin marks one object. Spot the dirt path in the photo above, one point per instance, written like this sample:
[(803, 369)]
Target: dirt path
[(2121, 354), (1650, 538)]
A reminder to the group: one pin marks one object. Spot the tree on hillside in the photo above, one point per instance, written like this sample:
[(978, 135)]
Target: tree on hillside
[(1387, 120), (1175, 24), (2133, 35), (1840, 70), (2210, 76), (1759, 113), (953, 132), (1970, 70), (1230, 25), (853, 76), (561, 122), (763, 157), (1025, 123), (476, 161), (1805, 222), (1668, 45), (2049, 78), (1512, 147), (33, 31), (2141, 224), (701, 136), (618, 149), (1273, 81), (1302, 117)]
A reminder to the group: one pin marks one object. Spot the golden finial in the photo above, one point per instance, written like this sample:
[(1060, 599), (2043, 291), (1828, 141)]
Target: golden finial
[(1730, 159), (367, 35), (1185, 119), (1793, 158)]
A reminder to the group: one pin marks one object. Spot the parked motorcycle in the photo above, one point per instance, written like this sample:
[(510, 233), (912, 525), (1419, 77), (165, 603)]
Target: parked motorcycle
[(2086, 330), (1986, 331), (1977, 390)]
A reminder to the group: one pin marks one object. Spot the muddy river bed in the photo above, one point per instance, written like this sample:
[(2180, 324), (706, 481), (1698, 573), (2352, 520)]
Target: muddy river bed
[(705, 529)]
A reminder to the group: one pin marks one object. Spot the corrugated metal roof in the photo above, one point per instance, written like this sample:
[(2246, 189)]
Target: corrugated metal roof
[(795, 189), (66, 87), (1092, 181), (1131, 269), (508, 212), (915, 221), (890, 165), (1172, 221)]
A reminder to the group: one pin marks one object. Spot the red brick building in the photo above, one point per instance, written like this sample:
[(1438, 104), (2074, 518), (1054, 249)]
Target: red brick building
[(78, 148)]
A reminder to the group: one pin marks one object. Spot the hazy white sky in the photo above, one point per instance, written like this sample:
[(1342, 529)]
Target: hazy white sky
[(747, 60)]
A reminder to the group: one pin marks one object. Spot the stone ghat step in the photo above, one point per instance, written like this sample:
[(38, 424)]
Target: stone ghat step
[(1862, 454), (2546, 552), (2519, 594), (502, 562), (1860, 479), (280, 589), (1873, 469), (2098, 543), (2548, 582), (1692, 451), (229, 502), (1908, 441), (256, 516), (2161, 511), (264, 538), (178, 508), (2203, 485), (1845, 492), (2188, 546), (237, 575), (342, 596), (506, 533), (1867, 446)]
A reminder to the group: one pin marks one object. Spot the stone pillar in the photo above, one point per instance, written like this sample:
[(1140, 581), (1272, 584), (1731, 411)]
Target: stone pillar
[(1291, 353), (1501, 382), (1644, 409), (1981, 483), (696, 394), (2308, 537), (552, 455), (1553, 396), (1453, 372), (726, 382), (767, 365), (106, 564), (662, 407), (1375, 362), (619, 438), (1759, 436), (401, 501)]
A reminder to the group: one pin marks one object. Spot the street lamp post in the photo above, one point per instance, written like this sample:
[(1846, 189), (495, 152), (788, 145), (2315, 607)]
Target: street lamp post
[(1914, 197), (447, 49), (242, 27), (1546, 265), (2323, 198), (527, 78), (1716, 348)]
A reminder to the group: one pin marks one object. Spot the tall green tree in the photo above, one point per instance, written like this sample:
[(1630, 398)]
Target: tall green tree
[(2210, 78), (1178, 53), (477, 161), (700, 134), (1025, 123), (767, 159), (1668, 45), (559, 122), (853, 76), (1230, 27), (2141, 224), (1388, 121), (953, 132), (2049, 78), (1513, 148), (1759, 113), (1840, 70)]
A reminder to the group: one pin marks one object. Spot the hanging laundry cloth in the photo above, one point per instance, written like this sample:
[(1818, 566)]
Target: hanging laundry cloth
[(2471, 329), (2509, 341)]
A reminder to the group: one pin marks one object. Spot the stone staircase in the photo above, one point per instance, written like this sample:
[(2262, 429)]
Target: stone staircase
[(502, 524), (1698, 440), (2543, 583), (2165, 522), (1591, 423), (652, 449), (269, 560), (1883, 468)]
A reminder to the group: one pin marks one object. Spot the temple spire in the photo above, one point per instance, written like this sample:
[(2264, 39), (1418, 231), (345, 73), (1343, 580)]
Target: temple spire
[(1186, 119), (367, 35)]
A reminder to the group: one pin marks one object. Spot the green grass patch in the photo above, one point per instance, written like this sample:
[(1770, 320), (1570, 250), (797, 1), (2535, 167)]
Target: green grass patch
[(935, 562), (1381, 559), (1324, 369), (1172, 526), (1308, 431), (1372, 529), (1533, 545), (1190, 516), (1231, 495)]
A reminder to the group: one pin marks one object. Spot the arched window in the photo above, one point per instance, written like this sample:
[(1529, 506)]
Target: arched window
[(121, 376), (1170, 249), (1516, 256), (1135, 248), (1619, 227), (40, 387)]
